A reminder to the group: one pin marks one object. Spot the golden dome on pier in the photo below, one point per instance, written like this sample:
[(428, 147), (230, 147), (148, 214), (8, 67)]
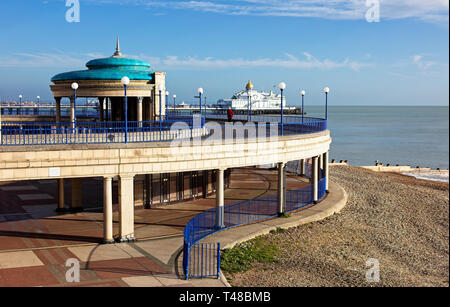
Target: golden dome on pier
[(249, 85)]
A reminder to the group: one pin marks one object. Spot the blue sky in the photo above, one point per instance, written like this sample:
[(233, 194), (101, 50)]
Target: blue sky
[(219, 45)]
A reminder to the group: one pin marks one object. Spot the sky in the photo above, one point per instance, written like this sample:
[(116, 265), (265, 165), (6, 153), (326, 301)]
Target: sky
[(219, 45)]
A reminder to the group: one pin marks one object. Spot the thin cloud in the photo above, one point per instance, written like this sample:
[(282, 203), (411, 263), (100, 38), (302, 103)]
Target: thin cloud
[(289, 61), (78, 61), (430, 10)]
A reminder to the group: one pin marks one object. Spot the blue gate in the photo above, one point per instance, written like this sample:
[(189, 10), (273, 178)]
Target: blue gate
[(202, 260)]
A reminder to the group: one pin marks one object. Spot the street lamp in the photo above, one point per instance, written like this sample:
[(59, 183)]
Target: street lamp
[(282, 86), (303, 104), (74, 115), (200, 93), (20, 104), (38, 99), (166, 104), (125, 81), (174, 99), (326, 91), (161, 88)]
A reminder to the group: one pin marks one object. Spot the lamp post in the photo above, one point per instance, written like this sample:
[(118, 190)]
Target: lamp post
[(174, 99), (167, 99), (200, 93), (38, 100), (125, 81), (161, 88), (326, 91), (282, 86), (74, 115), (303, 104), (20, 104)]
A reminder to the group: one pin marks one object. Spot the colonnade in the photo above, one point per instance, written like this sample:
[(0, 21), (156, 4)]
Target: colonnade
[(320, 169)]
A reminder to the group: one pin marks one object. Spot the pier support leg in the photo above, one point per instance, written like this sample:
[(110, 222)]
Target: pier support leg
[(220, 198), (107, 211), (281, 188), (126, 208)]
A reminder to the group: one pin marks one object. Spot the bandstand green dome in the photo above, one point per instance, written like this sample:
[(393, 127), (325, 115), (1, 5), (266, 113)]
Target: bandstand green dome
[(112, 68)]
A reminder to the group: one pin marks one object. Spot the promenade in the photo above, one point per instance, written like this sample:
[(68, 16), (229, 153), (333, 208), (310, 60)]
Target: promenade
[(35, 242)]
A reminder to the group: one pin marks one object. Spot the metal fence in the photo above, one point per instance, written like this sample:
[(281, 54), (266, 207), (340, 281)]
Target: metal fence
[(203, 260), (168, 129), (50, 111), (235, 214)]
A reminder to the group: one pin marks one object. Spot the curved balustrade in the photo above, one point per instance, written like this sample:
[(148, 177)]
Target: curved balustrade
[(169, 129), (241, 213)]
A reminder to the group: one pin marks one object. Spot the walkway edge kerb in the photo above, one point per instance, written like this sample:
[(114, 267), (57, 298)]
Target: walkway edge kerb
[(332, 204)]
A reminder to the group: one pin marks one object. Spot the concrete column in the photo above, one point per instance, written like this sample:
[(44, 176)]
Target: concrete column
[(326, 169), (77, 195), (302, 167), (61, 207), (101, 101), (315, 178), (58, 109), (72, 112), (320, 166), (139, 108), (281, 188), (107, 109), (126, 208), (107, 211), (220, 197), (149, 107)]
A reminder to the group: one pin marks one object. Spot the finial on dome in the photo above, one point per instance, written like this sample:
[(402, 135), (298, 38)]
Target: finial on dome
[(117, 53), (249, 85)]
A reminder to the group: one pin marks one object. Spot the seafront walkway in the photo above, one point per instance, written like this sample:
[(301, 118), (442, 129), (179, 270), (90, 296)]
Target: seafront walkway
[(35, 242)]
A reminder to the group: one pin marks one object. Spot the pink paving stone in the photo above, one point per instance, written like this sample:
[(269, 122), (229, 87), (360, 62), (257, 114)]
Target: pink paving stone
[(26, 277)]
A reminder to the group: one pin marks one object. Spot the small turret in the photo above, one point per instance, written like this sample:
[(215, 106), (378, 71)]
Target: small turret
[(249, 85)]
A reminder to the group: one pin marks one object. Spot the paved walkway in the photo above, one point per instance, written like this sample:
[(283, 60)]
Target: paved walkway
[(35, 243)]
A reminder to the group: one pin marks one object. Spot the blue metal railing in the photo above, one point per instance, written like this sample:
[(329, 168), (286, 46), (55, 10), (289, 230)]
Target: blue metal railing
[(203, 260), (239, 213), (168, 129), (81, 111)]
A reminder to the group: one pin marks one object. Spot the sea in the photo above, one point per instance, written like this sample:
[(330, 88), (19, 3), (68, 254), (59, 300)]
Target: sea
[(406, 135)]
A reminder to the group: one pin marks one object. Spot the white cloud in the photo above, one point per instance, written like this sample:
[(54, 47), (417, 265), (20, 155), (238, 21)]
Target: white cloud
[(78, 61), (421, 64), (24, 60), (288, 61), (427, 10)]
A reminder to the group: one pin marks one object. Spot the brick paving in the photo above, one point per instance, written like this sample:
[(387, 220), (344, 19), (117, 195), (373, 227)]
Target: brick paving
[(35, 242)]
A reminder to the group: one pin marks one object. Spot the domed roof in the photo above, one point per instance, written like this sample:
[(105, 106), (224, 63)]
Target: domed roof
[(249, 85), (112, 68)]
